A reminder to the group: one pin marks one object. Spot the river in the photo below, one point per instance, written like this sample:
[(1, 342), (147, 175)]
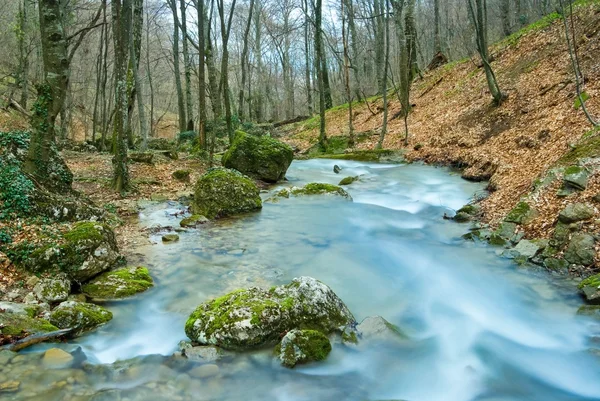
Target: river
[(480, 327)]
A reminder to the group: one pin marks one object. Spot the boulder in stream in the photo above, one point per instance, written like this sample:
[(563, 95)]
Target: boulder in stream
[(590, 287), (118, 284), (251, 318), (261, 157), (224, 192), (79, 316), (302, 346), (19, 319)]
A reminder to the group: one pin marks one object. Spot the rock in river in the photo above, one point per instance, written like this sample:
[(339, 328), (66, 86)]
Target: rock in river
[(79, 316), (302, 346), (590, 287), (260, 157), (224, 192), (254, 317), (118, 284)]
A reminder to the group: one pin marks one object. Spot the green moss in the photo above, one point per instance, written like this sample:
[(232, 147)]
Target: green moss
[(350, 338), (117, 284), (79, 316), (543, 23), (182, 175), (522, 213), (593, 281), (15, 324), (581, 100), (469, 209), (348, 180), (313, 346), (84, 231), (318, 188), (588, 147)]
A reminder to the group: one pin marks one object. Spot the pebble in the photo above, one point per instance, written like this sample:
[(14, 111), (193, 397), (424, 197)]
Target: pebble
[(57, 358)]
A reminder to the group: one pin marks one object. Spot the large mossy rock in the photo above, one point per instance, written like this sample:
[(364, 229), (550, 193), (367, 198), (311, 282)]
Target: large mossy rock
[(79, 316), (581, 249), (85, 251), (118, 284), (302, 346), (254, 317), (590, 287), (53, 289), (19, 320), (312, 189), (224, 192), (576, 212), (261, 157), (522, 213)]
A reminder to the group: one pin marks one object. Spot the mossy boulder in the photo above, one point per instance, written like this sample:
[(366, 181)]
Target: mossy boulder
[(523, 213), (79, 316), (348, 180), (170, 238), (589, 311), (319, 188), (193, 221), (251, 318), (53, 289), (85, 251), (182, 175), (576, 212), (590, 287), (224, 192), (20, 320), (302, 346), (581, 249), (261, 157), (118, 284)]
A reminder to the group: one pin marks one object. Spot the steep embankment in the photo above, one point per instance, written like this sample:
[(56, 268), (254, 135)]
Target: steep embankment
[(538, 128)]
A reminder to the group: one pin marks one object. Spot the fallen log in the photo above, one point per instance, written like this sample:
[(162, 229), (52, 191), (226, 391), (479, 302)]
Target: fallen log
[(36, 339)]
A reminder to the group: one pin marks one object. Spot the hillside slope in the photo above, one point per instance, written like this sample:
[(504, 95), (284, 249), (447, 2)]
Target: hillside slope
[(515, 145)]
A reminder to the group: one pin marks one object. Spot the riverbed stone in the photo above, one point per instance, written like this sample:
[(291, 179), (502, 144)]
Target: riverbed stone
[(319, 188), (372, 328), (10, 386), (56, 358), (261, 157), (85, 251), (589, 311), (528, 249), (79, 316), (581, 249), (251, 318), (119, 284), (590, 287), (302, 346), (204, 371), (556, 264), (523, 213), (576, 177), (193, 221), (204, 354), (576, 212), (53, 289), (170, 238), (224, 192), (348, 180)]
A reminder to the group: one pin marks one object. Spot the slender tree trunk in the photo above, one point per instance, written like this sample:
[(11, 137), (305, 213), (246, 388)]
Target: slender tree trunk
[(149, 73), (307, 81), (320, 72), (135, 43), (225, 30), (354, 47), (213, 85), (103, 88), (258, 98), (437, 41), (386, 59), (347, 77), (201, 76), (187, 68), (122, 19), (178, 85), (22, 35), (505, 15), (245, 61)]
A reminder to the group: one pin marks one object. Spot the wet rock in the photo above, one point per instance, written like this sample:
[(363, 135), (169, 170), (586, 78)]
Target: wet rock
[(224, 192), (562, 233), (372, 328), (85, 251), (21, 319), (521, 214), (337, 169), (53, 289), (254, 317), (317, 188), (581, 249), (527, 249), (556, 264), (348, 180), (56, 358), (170, 238), (204, 371), (11, 386), (193, 221), (590, 288), (576, 177), (590, 311), (576, 212), (261, 157), (6, 356), (302, 346), (79, 316), (118, 284), (205, 354)]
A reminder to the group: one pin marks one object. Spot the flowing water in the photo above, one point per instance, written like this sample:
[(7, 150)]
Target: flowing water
[(480, 328)]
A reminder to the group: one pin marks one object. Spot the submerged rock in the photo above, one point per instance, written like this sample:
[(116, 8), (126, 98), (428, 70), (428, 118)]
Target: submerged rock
[(581, 249), (372, 328), (261, 157), (224, 192), (590, 287), (53, 289), (337, 169), (254, 317), (348, 180), (118, 284), (193, 221), (85, 251), (205, 354), (318, 188), (56, 358), (576, 212), (79, 316), (170, 238), (302, 346)]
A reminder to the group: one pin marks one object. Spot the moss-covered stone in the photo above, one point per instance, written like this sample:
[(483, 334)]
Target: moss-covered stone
[(576, 177), (182, 175), (170, 238), (193, 221), (79, 316), (590, 287), (251, 318), (523, 213), (556, 264), (590, 311), (88, 249), (303, 346), (53, 289), (16, 324), (224, 192), (348, 180), (118, 284), (318, 188), (575, 212), (261, 157), (581, 249)]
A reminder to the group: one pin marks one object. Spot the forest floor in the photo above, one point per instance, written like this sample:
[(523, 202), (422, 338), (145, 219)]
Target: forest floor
[(539, 126)]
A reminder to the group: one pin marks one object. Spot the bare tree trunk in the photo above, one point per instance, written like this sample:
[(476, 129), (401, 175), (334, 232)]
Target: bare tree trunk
[(245, 61), (347, 77), (187, 68), (149, 73), (215, 96), (122, 19), (386, 60), (22, 34), (201, 76), (135, 44), (505, 15), (258, 98), (178, 85), (307, 83), (437, 41), (320, 72), (225, 31)]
